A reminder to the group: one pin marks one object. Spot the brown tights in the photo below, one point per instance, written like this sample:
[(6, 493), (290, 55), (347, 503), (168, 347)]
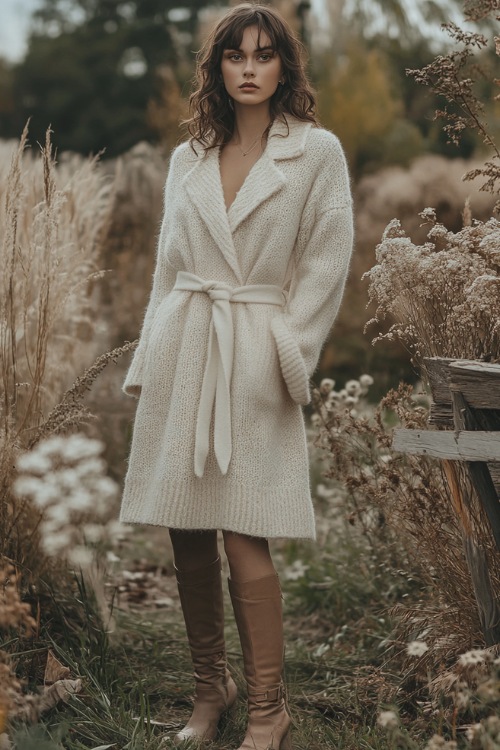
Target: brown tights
[(248, 556)]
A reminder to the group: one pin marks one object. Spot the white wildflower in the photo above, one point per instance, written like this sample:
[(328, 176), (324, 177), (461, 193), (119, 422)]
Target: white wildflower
[(78, 447), (296, 570), (93, 532), (462, 698), (476, 656), (106, 490), (80, 556), (493, 724), (332, 401), (327, 384), (27, 486), (51, 446), (81, 500), (315, 420), (33, 462), (57, 542), (439, 743), (428, 214), (67, 478), (353, 387), (366, 381), (58, 513), (118, 530), (111, 557), (323, 491), (388, 719), (416, 648), (351, 400), (88, 466), (489, 690), (46, 493), (321, 650), (473, 731)]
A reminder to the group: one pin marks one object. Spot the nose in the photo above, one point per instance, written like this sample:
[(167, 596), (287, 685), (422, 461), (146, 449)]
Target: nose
[(248, 71)]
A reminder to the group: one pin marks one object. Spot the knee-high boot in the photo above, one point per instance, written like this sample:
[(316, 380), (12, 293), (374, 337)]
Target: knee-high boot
[(201, 597), (258, 613)]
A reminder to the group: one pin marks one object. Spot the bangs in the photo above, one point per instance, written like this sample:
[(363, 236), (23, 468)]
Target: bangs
[(233, 34)]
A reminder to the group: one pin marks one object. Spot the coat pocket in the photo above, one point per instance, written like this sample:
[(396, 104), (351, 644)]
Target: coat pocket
[(291, 362)]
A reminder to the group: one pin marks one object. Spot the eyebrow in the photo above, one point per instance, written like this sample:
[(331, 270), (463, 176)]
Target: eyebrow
[(257, 49)]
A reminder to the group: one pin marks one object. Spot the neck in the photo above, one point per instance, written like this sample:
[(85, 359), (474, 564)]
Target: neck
[(250, 122)]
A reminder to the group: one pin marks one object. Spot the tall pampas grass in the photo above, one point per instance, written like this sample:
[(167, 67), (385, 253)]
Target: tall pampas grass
[(53, 222)]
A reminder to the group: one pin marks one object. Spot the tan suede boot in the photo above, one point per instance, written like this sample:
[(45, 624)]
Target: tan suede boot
[(258, 614), (200, 592)]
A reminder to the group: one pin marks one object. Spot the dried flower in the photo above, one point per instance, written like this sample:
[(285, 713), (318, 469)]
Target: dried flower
[(417, 648), (327, 384), (443, 294), (388, 719), (475, 656), (439, 743)]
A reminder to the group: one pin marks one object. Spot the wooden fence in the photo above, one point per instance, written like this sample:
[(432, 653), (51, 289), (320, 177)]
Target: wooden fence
[(466, 413)]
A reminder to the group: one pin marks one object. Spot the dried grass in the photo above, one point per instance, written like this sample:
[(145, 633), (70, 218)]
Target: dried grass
[(53, 222), (405, 509)]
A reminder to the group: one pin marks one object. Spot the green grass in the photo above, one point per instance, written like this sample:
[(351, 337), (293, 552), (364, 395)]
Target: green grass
[(340, 670)]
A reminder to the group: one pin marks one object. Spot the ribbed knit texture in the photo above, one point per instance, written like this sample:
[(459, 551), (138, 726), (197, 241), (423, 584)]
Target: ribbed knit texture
[(290, 225)]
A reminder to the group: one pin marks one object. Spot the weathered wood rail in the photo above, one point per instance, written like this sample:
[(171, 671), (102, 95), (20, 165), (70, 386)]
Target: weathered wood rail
[(466, 413)]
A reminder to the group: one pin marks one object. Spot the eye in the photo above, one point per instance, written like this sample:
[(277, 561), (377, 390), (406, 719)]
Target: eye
[(233, 55), (266, 56)]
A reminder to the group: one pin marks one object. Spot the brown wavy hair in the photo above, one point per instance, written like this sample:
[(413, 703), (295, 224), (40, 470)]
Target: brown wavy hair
[(212, 118)]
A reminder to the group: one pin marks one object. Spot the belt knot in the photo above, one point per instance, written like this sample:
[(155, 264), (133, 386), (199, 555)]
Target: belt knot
[(216, 291)]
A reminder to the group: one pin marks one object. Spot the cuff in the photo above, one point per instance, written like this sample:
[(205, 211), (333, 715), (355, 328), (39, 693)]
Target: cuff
[(133, 381), (291, 362)]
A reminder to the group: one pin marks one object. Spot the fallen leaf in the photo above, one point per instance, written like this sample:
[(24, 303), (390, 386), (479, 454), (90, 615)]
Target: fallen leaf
[(61, 690), (54, 669)]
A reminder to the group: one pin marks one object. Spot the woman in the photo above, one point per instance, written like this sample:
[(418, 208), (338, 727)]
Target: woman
[(252, 258)]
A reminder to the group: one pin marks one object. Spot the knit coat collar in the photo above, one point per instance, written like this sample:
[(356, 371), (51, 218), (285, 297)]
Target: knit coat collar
[(204, 186)]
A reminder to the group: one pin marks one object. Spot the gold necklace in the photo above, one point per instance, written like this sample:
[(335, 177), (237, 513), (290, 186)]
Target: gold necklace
[(259, 137)]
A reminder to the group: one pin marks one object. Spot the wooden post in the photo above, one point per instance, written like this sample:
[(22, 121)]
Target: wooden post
[(466, 398)]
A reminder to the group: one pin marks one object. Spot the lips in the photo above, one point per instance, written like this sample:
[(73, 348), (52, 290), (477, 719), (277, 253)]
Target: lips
[(248, 86)]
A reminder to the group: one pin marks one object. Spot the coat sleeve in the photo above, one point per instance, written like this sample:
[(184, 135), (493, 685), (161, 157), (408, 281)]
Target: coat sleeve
[(163, 282), (319, 275)]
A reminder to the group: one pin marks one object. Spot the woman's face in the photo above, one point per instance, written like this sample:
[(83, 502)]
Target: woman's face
[(250, 64)]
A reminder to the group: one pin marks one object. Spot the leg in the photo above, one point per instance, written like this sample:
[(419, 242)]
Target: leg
[(193, 549), (256, 597), (248, 556), (197, 566)]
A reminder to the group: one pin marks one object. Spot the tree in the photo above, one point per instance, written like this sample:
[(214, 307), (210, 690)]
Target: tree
[(358, 104), (92, 68)]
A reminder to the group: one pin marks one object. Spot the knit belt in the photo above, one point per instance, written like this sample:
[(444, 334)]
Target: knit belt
[(219, 365)]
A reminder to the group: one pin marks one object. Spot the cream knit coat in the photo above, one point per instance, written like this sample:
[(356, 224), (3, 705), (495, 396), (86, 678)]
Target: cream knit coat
[(228, 344)]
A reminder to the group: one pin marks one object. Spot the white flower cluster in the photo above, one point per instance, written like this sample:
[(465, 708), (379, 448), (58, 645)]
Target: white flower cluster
[(345, 398), (64, 476), (472, 658)]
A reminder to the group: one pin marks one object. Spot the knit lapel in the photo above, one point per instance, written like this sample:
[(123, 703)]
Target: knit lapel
[(266, 178), (204, 187)]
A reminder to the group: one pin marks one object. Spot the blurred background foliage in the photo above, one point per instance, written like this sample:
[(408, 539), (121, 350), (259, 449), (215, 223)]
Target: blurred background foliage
[(115, 76), (106, 74)]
